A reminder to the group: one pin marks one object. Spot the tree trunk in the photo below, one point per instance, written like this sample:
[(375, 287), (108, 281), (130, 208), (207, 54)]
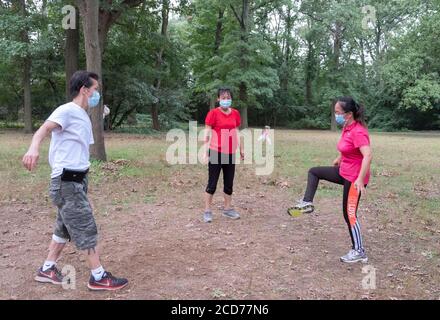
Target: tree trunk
[(89, 10), (244, 64), (212, 102), (336, 55), (287, 51), (26, 76), (217, 43), (71, 54), (218, 30), (378, 38), (159, 63), (106, 20), (363, 62), (309, 73), (244, 108), (131, 119), (28, 128)]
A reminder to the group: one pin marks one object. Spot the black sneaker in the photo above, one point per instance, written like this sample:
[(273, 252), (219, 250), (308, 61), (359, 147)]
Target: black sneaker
[(107, 282), (52, 275)]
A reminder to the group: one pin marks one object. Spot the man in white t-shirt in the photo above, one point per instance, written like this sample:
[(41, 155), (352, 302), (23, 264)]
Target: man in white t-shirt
[(69, 159)]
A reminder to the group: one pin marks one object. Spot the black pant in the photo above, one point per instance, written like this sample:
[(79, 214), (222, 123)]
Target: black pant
[(350, 199), (218, 162)]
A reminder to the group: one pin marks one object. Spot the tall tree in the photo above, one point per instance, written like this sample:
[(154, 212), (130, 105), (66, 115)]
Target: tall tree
[(97, 20), (26, 76), (159, 62), (244, 59), (89, 11), (206, 36), (71, 51), (244, 23)]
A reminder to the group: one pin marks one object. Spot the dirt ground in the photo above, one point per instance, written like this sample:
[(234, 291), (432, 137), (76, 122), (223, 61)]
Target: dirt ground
[(166, 251)]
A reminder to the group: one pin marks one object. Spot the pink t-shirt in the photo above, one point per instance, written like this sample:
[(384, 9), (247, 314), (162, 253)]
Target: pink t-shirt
[(353, 137)]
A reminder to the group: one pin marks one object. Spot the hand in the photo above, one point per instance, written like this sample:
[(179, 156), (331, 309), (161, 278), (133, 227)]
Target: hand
[(30, 159), (360, 186), (337, 162), (242, 155), (205, 158)]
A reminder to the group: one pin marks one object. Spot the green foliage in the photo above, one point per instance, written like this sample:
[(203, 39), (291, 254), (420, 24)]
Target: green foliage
[(424, 95), (411, 77), (284, 54)]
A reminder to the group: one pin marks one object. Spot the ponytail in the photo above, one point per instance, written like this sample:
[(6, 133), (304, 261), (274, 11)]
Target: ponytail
[(359, 115), (348, 104)]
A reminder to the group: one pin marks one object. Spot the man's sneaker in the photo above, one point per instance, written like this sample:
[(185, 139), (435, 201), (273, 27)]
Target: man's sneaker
[(207, 216), (355, 256), (231, 213), (52, 275), (301, 207), (107, 282)]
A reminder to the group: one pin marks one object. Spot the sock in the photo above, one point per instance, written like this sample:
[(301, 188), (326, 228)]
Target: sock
[(98, 273), (48, 264)]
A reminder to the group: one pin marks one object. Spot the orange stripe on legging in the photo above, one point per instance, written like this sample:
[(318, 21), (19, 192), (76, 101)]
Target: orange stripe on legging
[(352, 204)]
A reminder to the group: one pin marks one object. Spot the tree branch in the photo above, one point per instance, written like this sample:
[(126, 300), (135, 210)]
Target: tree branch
[(240, 21), (132, 3), (312, 16), (124, 116), (261, 5)]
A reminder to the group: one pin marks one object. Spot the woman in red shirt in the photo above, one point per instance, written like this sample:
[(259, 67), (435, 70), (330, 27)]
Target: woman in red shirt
[(351, 169), (222, 125)]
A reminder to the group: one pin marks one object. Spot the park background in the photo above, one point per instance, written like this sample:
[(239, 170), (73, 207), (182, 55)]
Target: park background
[(161, 63)]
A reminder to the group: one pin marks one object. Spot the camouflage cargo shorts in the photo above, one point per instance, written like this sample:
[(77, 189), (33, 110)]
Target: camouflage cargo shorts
[(75, 219)]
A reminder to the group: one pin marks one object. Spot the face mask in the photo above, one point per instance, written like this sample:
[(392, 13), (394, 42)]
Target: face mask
[(225, 103), (94, 99), (340, 119)]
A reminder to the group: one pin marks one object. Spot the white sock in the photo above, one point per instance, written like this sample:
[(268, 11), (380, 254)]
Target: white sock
[(48, 264), (98, 273)]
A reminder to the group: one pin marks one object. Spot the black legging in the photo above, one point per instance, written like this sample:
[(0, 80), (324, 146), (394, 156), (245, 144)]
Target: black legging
[(218, 162), (350, 200)]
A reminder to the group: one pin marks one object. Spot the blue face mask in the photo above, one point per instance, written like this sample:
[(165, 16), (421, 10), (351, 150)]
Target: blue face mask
[(340, 119), (94, 99), (225, 103)]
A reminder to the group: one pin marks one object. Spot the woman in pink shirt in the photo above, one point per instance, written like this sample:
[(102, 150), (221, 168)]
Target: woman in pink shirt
[(351, 169)]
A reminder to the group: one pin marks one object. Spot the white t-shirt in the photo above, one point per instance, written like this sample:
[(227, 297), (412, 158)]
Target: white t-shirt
[(69, 147)]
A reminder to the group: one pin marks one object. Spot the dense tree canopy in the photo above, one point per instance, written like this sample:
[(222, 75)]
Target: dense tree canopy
[(286, 60)]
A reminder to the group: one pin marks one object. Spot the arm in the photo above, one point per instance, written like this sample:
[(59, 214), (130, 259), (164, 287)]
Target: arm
[(207, 139), (337, 161), (240, 141), (366, 163), (30, 159), (241, 144)]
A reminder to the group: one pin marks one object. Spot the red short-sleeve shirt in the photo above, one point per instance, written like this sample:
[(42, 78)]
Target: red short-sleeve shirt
[(353, 138), (224, 130)]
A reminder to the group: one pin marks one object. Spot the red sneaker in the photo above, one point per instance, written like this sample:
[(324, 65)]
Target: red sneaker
[(52, 275), (108, 282)]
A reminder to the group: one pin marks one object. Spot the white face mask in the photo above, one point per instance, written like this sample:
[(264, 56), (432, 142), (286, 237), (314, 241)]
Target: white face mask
[(93, 101), (226, 103), (340, 119)]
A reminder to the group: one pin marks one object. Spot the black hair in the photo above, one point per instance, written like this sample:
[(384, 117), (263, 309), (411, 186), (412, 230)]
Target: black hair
[(81, 79), (223, 90), (348, 104), (219, 93)]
